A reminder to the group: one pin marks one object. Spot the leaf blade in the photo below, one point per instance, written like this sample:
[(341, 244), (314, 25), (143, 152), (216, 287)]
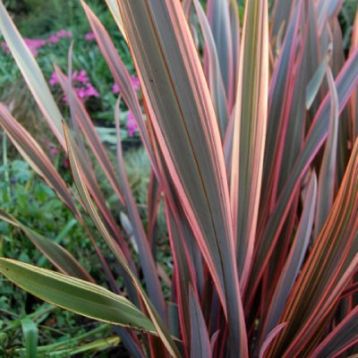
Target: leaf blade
[(32, 74), (75, 295)]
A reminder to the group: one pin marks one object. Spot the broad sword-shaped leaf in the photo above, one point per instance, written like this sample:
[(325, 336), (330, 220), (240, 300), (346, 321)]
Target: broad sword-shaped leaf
[(183, 118), (73, 294)]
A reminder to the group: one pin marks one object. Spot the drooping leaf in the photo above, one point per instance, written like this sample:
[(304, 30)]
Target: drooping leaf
[(73, 294), (116, 250), (56, 254), (35, 156)]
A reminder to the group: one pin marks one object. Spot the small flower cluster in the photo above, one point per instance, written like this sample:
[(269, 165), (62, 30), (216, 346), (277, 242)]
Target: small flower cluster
[(81, 82), (131, 121), (35, 45), (59, 35), (89, 36)]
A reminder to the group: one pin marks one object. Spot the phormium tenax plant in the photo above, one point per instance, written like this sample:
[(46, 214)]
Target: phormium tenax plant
[(251, 131)]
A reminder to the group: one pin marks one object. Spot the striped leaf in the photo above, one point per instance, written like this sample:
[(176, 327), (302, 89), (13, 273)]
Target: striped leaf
[(32, 74), (183, 118), (250, 131), (75, 295)]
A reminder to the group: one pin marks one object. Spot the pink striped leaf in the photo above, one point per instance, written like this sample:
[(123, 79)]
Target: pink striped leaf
[(184, 122)]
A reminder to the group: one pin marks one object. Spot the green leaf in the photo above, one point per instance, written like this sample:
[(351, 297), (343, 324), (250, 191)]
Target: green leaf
[(75, 295), (55, 253), (30, 331)]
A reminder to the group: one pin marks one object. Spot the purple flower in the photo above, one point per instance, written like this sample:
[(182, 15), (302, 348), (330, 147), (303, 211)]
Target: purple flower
[(89, 36), (131, 124)]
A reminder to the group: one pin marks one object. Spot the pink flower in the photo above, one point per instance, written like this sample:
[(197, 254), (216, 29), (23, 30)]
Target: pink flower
[(81, 93), (131, 124), (35, 44), (89, 36), (81, 83), (84, 93), (53, 39), (56, 37), (81, 76), (90, 91), (115, 88), (53, 79), (64, 33), (135, 83)]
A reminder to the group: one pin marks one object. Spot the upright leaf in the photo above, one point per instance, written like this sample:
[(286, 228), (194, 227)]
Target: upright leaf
[(219, 18), (294, 260), (214, 74), (32, 74), (327, 174), (327, 271), (200, 342), (183, 118), (250, 131), (30, 331), (341, 338), (145, 253)]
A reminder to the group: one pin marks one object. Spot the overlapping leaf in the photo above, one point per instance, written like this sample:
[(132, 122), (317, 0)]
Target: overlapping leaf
[(32, 74), (187, 132)]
